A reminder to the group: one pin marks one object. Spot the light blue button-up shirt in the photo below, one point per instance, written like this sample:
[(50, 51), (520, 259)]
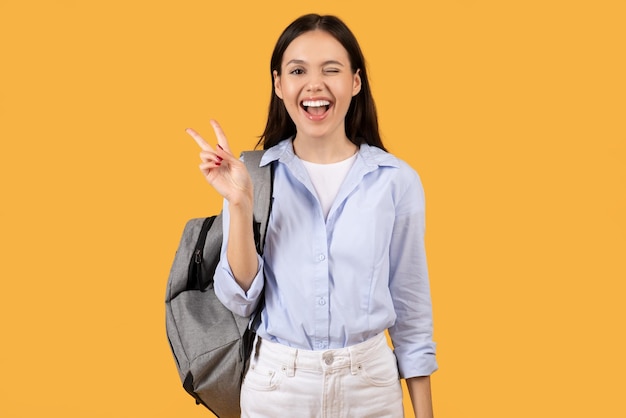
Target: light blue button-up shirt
[(334, 282)]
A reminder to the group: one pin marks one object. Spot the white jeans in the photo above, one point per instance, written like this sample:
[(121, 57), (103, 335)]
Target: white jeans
[(356, 382)]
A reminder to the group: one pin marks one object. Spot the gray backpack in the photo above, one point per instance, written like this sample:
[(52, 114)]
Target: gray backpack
[(211, 345)]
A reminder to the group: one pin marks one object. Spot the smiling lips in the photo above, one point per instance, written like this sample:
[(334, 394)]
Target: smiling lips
[(315, 109)]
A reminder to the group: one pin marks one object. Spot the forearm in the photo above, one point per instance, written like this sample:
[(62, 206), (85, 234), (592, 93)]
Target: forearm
[(241, 250), (421, 398)]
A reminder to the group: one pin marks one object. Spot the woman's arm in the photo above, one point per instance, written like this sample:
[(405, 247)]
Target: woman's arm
[(230, 178), (421, 398), (241, 250)]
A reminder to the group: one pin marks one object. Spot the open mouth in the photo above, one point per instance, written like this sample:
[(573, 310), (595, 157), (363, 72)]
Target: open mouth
[(315, 107)]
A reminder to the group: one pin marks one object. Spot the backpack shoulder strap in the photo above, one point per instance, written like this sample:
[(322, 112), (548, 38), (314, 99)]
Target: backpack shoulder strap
[(262, 177)]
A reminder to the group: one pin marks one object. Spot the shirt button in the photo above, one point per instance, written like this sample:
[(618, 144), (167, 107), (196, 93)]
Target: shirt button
[(321, 257), (322, 301)]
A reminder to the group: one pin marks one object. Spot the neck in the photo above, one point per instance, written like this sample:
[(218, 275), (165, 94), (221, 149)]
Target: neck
[(323, 150)]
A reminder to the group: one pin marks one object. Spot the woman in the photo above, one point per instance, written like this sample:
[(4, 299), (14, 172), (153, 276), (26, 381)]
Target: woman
[(344, 253)]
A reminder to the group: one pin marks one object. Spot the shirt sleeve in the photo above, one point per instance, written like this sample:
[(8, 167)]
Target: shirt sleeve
[(409, 284), (226, 288)]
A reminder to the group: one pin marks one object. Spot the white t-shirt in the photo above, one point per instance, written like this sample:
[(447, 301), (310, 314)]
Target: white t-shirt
[(327, 179)]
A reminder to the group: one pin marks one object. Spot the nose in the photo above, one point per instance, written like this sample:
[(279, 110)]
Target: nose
[(315, 83)]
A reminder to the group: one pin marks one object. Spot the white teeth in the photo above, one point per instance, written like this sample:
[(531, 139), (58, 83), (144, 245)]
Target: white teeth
[(315, 103)]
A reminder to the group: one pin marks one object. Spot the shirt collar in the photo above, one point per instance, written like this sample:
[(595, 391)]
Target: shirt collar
[(371, 156)]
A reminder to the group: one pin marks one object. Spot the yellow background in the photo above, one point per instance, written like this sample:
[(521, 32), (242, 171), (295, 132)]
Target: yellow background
[(513, 112)]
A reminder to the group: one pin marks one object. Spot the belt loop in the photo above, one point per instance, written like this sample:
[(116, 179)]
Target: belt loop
[(292, 365), (255, 347), (289, 366), (354, 361)]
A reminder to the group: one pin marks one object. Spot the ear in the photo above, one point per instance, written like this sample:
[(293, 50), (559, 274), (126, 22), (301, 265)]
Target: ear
[(277, 87), (356, 84)]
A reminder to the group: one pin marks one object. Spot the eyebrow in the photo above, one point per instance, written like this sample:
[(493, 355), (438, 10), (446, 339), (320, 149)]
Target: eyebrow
[(301, 62)]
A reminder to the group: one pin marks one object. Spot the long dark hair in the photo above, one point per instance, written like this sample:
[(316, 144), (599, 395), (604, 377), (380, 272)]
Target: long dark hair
[(361, 119)]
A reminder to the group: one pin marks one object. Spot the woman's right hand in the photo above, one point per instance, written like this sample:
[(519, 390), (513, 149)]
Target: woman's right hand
[(226, 173)]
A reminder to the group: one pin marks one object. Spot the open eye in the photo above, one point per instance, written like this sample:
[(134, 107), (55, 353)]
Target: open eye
[(297, 71)]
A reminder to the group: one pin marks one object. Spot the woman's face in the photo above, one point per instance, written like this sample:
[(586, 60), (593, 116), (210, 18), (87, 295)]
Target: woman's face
[(316, 85)]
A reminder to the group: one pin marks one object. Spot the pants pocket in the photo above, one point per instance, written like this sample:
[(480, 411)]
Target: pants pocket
[(380, 370), (261, 377)]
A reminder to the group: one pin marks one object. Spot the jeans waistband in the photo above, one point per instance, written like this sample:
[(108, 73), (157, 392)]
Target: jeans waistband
[(291, 359)]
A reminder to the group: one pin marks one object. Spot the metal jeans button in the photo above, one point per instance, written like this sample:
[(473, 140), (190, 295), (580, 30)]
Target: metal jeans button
[(328, 358)]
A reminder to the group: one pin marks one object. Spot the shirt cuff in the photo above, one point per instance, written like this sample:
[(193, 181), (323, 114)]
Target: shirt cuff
[(415, 362), (231, 294)]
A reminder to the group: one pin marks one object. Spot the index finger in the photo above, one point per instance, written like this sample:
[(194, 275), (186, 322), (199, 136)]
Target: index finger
[(199, 140)]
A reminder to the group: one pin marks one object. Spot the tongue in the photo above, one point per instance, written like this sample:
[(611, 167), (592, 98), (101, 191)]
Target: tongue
[(316, 110)]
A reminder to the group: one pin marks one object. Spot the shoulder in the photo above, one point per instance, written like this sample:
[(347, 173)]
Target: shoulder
[(396, 176), (399, 169), (283, 151)]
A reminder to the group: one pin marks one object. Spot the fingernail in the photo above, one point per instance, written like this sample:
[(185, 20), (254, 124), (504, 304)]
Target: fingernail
[(219, 158), (217, 163)]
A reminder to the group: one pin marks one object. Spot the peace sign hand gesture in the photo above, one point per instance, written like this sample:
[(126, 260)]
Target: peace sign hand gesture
[(226, 173)]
